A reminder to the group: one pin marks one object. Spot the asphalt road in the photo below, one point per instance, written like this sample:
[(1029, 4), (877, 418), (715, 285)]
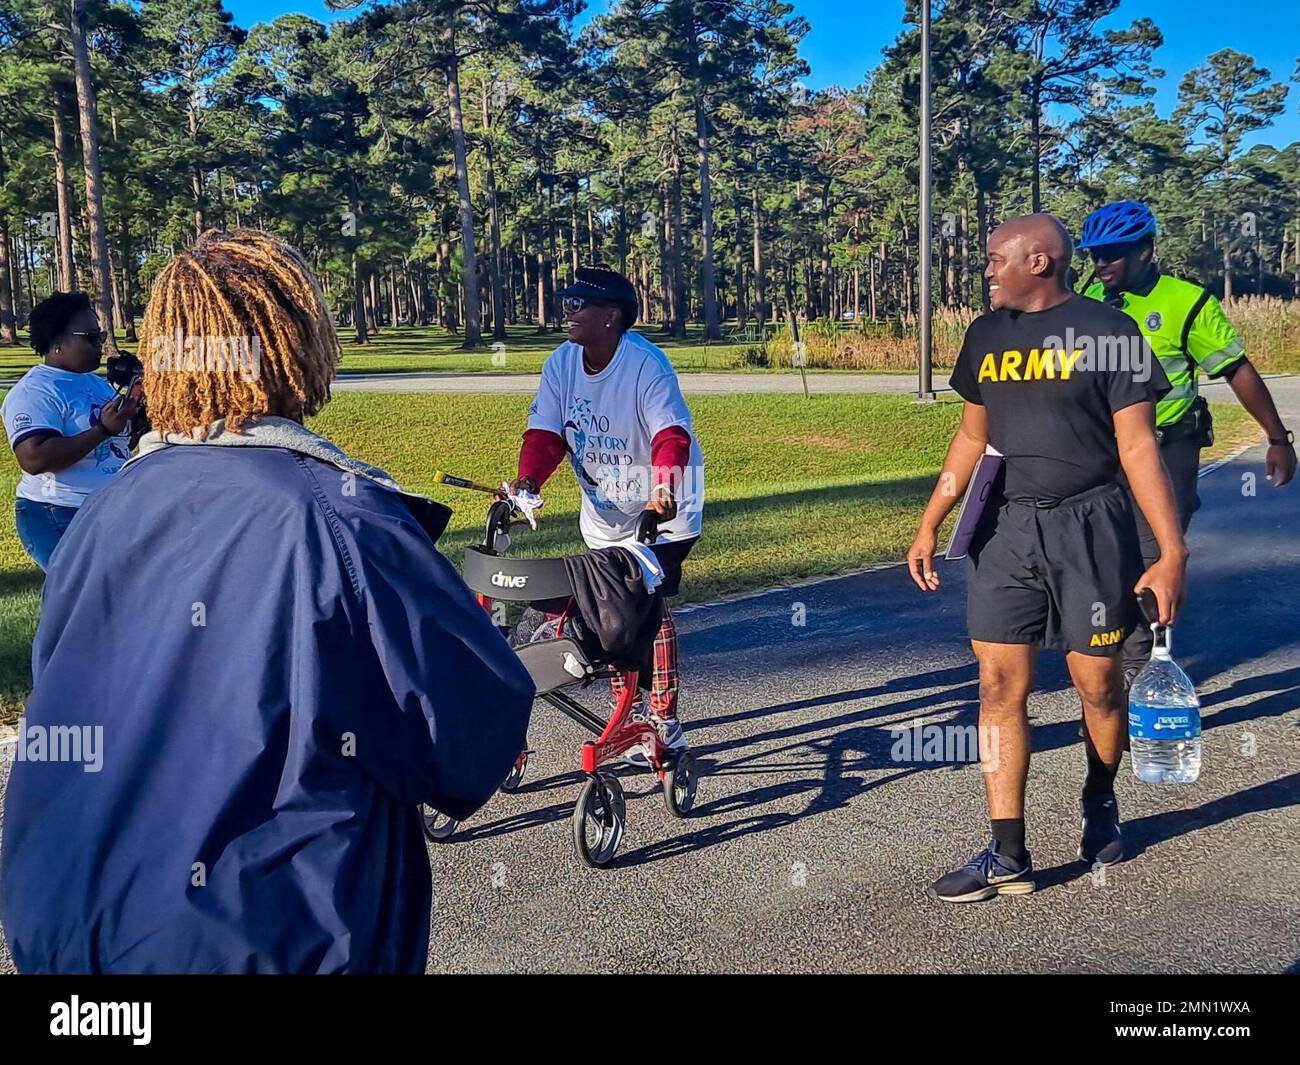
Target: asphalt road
[(810, 846)]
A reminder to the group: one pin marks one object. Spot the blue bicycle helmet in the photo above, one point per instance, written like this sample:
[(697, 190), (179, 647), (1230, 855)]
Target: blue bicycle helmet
[(1123, 222)]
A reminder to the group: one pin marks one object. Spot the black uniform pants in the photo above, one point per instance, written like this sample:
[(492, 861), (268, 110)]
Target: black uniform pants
[(1182, 457)]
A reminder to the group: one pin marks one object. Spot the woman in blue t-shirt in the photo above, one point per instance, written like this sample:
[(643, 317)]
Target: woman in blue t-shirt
[(67, 426)]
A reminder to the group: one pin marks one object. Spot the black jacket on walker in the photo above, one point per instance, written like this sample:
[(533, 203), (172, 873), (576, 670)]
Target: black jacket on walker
[(616, 610)]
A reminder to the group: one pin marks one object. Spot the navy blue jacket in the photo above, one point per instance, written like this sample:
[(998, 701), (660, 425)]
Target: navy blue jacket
[(284, 668)]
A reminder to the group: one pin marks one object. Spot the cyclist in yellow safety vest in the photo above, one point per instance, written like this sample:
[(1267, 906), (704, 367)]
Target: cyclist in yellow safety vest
[(1190, 333)]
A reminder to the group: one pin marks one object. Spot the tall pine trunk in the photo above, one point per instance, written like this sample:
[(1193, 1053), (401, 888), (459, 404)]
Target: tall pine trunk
[(98, 230), (742, 300), (573, 233), (621, 236), (196, 175), (1036, 143), (712, 329), (126, 258), (1227, 264), (358, 290), (679, 279), (982, 224), (824, 296), (760, 279), (63, 186), (665, 265), (8, 324), (469, 276), (965, 255), (494, 226)]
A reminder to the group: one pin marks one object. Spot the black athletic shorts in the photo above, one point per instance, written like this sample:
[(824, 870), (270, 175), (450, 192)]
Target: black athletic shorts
[(671, 554), (1060, 574)]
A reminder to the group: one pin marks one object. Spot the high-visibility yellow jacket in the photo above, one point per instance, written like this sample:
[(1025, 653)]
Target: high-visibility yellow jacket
[(1188, 332)]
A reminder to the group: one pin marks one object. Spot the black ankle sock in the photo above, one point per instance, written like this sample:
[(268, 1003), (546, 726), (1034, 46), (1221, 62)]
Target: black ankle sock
[(1009, 834), (1100, 781)]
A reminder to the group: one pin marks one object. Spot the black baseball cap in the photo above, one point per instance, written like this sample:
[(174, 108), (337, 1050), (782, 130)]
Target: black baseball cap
[(600, 284)]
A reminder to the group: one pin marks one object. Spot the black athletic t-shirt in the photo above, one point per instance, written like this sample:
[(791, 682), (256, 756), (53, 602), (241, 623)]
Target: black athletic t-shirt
[(1050, 382)]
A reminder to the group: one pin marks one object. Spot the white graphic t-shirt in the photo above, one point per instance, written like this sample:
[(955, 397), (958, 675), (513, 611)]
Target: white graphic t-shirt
[(47, 398), (607, 421)]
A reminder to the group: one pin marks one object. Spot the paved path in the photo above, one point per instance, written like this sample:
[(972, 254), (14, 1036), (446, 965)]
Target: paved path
[(811, 848), (692, 383)]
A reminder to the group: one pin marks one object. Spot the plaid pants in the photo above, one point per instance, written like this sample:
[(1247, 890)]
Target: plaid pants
[(664, 681)]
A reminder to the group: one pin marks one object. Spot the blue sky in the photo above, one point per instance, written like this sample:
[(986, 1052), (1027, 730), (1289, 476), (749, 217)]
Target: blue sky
[(846, 39)]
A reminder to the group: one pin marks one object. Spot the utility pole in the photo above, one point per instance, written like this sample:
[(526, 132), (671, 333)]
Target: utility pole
[(924, 390)]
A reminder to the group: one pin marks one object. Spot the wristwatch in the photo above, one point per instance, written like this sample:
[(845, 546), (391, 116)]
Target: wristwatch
[(1288, 437)]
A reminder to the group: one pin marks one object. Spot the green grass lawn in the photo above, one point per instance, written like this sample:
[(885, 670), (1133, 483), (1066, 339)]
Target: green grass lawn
[(795, 488), (431, 348)]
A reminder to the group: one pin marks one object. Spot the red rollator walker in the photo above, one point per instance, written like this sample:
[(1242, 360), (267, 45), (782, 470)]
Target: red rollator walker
[(560, 662)]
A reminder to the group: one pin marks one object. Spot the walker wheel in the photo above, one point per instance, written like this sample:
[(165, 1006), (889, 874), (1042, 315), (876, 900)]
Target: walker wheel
[(514, 780), (680, 779), (598, 819), (438, 827)]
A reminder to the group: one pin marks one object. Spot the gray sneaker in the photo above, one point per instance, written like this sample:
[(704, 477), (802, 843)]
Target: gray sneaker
[(984, 876), (670, 735), (670, 732), (637, 756)]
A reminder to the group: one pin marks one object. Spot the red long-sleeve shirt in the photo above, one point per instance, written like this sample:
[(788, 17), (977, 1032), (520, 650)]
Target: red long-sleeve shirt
[(543, 451)]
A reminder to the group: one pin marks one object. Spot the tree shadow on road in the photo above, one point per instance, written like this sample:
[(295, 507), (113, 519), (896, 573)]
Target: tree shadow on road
[(825, 798), (1158, 828), (821, 768), (1284, 697), (938, 678), (962, 693), (824, 768), (1284, 689), (827, 765)]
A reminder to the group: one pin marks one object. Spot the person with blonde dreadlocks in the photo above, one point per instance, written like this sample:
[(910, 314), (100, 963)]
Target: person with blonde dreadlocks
[(281, 662)]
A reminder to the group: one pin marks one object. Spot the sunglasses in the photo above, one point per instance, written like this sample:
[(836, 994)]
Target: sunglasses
[(1110, 253), (95, 336), (573, 304)]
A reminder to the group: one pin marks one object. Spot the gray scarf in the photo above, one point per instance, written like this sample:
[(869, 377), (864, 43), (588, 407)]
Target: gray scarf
[(272, 431)]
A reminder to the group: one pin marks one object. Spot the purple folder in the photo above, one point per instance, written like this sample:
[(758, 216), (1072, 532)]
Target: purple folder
[(979, 493)]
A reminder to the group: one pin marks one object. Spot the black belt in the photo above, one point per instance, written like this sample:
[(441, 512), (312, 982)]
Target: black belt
[(1188, 425), (1179, 430)]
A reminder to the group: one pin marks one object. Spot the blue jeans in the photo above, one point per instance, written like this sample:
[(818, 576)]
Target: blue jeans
[(40, 528)]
